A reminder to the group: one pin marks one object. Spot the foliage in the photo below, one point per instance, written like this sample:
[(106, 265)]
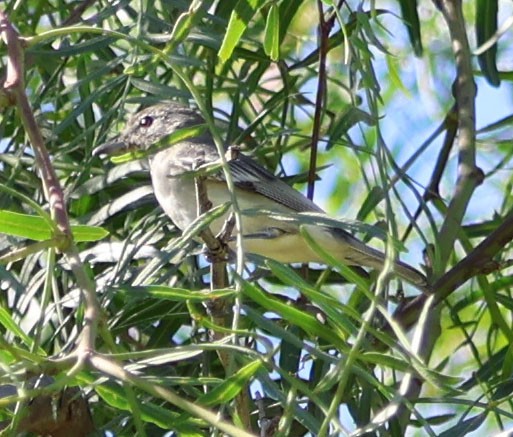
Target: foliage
[(303, 86)]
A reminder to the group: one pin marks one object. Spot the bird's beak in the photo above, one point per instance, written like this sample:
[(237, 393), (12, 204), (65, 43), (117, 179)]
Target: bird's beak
[(115, 147)]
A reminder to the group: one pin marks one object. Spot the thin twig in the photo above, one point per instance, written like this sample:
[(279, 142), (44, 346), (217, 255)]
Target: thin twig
[(217, 254), (479, 261), (432, 191), (324, 31)]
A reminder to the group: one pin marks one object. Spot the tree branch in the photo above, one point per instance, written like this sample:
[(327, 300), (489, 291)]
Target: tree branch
[(469, 177)]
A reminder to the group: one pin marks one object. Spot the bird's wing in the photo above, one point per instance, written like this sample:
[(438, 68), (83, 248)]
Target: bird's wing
[(250, 176), (247, 174)]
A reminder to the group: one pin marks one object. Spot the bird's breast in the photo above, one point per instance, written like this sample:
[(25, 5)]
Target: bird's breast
[(176, 195)]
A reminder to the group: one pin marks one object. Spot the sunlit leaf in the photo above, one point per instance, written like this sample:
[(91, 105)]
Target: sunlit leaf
[(36, 228), (241, 16), (272, 33)]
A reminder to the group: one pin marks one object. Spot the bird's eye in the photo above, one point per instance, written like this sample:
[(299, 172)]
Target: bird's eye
[(146, 121)]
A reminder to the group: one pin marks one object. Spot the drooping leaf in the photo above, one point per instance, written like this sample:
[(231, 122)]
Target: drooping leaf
[(486, 27), (272, 33), (231, 387), (410, 16), (239, 20)]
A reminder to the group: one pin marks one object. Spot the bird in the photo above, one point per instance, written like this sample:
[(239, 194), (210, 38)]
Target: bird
[(256, 189)]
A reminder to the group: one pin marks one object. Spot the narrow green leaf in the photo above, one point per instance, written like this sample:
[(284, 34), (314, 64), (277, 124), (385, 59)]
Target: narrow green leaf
[(176, 137), (37, 228), (185, 23), (11, 326), (348, 118), (306, 322), (503, 123), (40, 211), (173, 293), (486, 27), (115, 396), (163, 91), (438, 419), (503, 390), (88, 233), (90, 45), (25, 226), (410, 16), (239, 21), (463, 428), (374, 197), (290, 354), (394, 75), (272, 33), (287, 12), (231, 387)]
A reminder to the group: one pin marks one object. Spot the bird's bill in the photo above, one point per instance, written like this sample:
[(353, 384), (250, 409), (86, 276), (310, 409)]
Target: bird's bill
[(111, 148)]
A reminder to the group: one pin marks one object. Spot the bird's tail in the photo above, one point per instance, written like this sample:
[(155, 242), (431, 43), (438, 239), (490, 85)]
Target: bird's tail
[(352, 251)]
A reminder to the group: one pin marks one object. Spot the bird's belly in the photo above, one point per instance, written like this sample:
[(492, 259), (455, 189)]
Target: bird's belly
[(178, 201), (286, 248), (263, 235)]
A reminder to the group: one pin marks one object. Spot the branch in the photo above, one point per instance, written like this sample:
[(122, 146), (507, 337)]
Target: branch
[(220, 309), (432, 191), (469, 177), (324, 32), (479, 261), (14, 86)]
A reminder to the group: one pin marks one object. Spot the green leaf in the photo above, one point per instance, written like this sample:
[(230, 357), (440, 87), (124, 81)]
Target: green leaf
[(394, 75), (374, 197), (465, 427), (173, 293), (486, 27), (411, 20), (306, 322), (231, 387), (25, 226), (10, 325), (348, 118), (176, 137), (116, 397), (88, 233), (239, 20), (37, 228), (93, 44), (272, 33), (185, 22)]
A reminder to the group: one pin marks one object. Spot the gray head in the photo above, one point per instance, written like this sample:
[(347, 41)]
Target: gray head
[(149, 126)]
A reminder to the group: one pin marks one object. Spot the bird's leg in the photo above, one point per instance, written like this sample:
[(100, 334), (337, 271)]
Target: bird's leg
[(217, 249)]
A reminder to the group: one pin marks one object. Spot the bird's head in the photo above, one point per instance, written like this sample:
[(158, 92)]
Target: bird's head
[(151, 126)]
